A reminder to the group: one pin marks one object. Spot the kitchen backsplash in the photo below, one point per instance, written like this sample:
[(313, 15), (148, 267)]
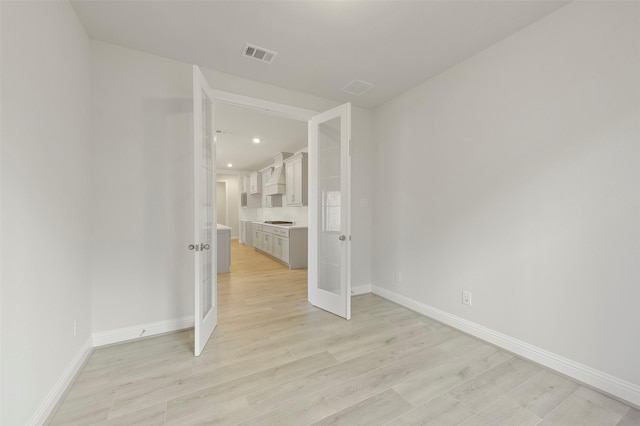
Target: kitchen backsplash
[(297, 215)]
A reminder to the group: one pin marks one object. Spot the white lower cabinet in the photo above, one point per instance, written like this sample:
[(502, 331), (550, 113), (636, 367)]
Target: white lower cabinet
[(246, 234), (287, 245), (257, 236)]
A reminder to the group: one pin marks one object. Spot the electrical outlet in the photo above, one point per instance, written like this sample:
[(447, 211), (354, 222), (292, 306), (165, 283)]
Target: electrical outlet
[(466, 297), (75, 327), (398, 276)]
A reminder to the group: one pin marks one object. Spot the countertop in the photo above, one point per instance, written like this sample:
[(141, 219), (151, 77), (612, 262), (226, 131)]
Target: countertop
[(283, 226), (223, 228)]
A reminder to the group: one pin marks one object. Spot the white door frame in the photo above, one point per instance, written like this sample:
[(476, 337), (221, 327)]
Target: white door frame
[(282, 110)]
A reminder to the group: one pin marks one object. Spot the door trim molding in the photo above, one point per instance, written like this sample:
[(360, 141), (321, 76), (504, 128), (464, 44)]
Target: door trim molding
[(601, 381), (283, 110)]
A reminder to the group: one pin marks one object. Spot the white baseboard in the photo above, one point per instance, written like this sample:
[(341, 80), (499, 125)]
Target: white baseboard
[(55, 395), (361, 289), (605, 382), (109, 337)]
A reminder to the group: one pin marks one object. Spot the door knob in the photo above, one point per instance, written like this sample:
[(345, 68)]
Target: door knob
[(199, 247), (342, 238)]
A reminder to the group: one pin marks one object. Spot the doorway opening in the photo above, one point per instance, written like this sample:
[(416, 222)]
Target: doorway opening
[(261, 159), (327, 237)]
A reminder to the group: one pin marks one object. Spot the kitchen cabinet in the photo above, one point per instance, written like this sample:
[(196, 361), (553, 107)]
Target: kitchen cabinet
[(257, 235), (267, 246), (280, 248), (246, 233), (255, 183), (296, 179), (272, 201), (288, 245), (244, 184)]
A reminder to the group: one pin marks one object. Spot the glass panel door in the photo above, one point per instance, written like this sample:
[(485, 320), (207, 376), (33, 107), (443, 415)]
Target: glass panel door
[(329, 210), (205, 226)]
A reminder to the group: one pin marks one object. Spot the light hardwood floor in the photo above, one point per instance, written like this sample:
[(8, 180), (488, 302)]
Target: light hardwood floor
[(274, 359)]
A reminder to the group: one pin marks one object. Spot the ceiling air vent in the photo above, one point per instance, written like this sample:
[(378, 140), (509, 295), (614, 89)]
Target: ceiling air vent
[(259, 53), (357, 87)]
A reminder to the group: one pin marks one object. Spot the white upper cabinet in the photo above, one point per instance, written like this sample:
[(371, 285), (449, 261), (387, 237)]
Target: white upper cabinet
[(296, 179), (244, 184), (255, 183)]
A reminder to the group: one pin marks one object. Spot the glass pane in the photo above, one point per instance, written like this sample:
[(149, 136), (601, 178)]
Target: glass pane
[(329, 203), (207, 227)]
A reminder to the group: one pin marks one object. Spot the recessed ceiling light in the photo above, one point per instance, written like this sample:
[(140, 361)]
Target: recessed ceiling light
[(229, 165), (256, 140)]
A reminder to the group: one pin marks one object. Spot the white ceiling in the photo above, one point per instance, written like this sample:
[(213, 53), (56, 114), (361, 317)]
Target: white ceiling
[(321, 45), (276, 135)]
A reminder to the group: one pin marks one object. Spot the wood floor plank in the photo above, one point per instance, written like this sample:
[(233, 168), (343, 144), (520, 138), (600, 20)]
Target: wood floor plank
[(275, 359), (150, 416), (489, 386), (231, 412), (86, 413), (587, 407), (344, 371), (377, 409), (443, 410), (632, 418), (462, 366), (503, 412), (302, 411), (382, 378), (240, 387), (542, 393)]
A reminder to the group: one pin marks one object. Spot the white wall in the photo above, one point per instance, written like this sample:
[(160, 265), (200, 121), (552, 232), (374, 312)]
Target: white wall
[(142, 188), (141, 180), (45, 252), (362, 190), (232, 202), (515, 175)]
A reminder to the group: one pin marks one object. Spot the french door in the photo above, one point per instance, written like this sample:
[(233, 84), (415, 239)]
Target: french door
[(330, 211), (204, 211)]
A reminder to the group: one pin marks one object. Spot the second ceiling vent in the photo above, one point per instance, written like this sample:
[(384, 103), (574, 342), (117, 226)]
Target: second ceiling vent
[(259, 53), (357, 87)]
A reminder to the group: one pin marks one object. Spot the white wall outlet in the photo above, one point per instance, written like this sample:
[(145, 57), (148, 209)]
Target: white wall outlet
[(398, 276), (75, 327), (466, 297)]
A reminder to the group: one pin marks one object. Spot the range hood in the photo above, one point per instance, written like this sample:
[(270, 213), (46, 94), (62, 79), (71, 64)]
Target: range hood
[(275, 185)]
